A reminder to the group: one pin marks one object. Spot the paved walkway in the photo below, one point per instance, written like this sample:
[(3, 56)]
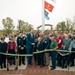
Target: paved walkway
[(32, 70), (37, 71)]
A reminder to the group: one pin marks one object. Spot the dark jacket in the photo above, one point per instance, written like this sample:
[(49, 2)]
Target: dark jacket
[(29, 41), (40, 46), (46, 43), (3, 47), (20, 42), (24, 41)]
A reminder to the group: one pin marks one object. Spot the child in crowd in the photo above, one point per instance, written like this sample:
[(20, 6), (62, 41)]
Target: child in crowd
[(64, 57)]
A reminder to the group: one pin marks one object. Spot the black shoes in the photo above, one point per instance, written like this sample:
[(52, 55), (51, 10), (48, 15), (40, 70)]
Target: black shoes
[(23, 63), (7, 69), (63, 67), (19, 64), (4, 66), (52, 69), (51, 66), (71, 65), (10, 63), (16, 68), (41, 66)]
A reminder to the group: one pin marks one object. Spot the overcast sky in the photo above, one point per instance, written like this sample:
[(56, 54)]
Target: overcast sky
[(31, 11)]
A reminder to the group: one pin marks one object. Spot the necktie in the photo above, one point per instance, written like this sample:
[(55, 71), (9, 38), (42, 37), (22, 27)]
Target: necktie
[(31, 35)]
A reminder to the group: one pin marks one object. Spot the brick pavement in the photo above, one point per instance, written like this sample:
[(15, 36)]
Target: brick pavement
[(36, 71)]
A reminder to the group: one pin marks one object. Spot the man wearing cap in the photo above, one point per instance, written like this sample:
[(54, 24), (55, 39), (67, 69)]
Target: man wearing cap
[(3, 47), (53, 53)]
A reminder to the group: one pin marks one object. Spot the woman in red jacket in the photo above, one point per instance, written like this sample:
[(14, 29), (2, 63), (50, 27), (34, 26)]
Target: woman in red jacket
[(11, 48)]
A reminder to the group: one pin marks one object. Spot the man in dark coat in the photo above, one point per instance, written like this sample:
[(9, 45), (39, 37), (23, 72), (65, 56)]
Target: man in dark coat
[(30, 43), (40, 56), (3, 47), (24, 45), (21, 46), (46, 45)]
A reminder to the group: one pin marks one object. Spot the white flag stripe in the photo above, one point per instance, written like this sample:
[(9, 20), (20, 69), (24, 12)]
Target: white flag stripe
[(53, 1)]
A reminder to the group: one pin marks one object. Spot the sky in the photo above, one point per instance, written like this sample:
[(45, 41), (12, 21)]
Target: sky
[(31, 11)]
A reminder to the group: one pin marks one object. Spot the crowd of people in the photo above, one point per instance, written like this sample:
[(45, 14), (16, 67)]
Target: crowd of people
[(27, 43)]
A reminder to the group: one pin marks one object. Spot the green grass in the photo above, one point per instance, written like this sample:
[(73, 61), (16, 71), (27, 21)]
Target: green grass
[(1, 33)]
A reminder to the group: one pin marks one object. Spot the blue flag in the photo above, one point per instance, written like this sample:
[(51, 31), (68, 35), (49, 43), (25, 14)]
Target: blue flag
[(46, 15)]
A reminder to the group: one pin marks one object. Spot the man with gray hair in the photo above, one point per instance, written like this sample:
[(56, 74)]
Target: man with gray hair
[(66, 43)]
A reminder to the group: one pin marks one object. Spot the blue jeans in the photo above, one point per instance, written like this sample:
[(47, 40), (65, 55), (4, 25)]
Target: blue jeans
[(53, 57), (29, 58)]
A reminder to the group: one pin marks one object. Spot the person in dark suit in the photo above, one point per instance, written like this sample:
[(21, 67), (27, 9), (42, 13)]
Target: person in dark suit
[(3, 47), (30, 43), (24, 45), (40, 56), (21, 50), (46, 45), (35, 55)]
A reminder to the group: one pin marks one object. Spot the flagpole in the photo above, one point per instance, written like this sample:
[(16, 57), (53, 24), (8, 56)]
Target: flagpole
[(43, 19)]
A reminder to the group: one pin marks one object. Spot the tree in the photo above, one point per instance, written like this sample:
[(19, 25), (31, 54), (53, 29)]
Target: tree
[(58, 26), (8, 25), (73, 24), (69, 25), (65, 26), (24, 26), (61, 26)]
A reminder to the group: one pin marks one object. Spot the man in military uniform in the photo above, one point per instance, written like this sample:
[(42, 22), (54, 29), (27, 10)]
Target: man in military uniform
[(21, 46), (24, 45)]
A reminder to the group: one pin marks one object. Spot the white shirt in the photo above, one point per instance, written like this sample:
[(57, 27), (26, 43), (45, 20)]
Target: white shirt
[(6, 39)]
